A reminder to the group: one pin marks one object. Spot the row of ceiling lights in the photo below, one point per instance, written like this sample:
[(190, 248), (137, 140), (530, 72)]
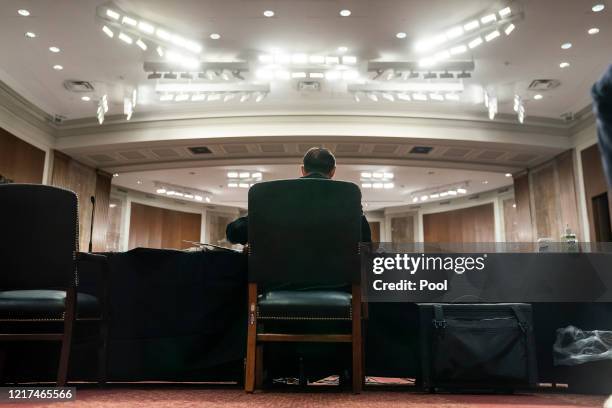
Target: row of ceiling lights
[(29, 34), (343, 13), (591, 31), (406, 97), (213, 97)]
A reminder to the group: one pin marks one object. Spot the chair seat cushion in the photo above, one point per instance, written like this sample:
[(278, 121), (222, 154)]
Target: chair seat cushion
[(44, 304), (304, 305)]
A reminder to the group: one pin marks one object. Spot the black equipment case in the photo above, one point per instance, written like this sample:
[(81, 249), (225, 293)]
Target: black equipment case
[(477, 347)]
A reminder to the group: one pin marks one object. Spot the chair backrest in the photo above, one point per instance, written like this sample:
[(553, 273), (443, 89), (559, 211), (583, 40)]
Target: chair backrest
[(38, 237), (304, 231)]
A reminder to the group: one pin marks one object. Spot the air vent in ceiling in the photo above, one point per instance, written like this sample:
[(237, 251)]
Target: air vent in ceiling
[(78, 86), (421, 150), (200, 150), (309, 86), (543, 84)]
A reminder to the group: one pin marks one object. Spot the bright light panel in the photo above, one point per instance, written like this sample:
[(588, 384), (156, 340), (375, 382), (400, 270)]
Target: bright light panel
[(475, 43), (472, 25), (488, 19), (492, 35), (112, 14), (141, 44), (125, 38), (146, 27), (129, 21), (108, 31)]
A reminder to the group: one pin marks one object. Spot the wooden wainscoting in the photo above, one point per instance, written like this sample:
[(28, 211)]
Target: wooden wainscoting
[(86, 182), (402, 228), (155, 227), (472, 224), (19, 160), (595, 186), (546, 200)]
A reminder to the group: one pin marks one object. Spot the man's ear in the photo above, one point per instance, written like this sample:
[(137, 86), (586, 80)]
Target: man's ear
[(332, 172), (303, 170)]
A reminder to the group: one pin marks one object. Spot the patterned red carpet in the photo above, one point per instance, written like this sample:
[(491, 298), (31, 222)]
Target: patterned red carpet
[(192, 397)]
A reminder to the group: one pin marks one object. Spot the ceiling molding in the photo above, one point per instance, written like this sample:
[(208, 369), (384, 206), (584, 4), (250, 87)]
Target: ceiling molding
[(25, 110)]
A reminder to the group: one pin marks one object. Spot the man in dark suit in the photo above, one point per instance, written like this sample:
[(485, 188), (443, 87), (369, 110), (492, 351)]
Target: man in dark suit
[(318, 163)]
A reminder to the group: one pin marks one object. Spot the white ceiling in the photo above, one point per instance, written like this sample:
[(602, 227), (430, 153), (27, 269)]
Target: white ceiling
[(310, 26), (407, 180)]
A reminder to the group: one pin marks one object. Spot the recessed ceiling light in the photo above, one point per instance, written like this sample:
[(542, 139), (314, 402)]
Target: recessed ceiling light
[(58, 67), (593, 31), (85, 98), (508, 174), (537, 97), (215, 36), (345, 13), (268, 13), (23, 12), (401, 35), (485, 182), (342, 49), (30, 34), (598, 7), (566, 46), (54, 50), (564, 65)]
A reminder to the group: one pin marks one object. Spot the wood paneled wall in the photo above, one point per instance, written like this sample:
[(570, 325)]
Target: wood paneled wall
[(511, 230), (19, 160), (522, 199), (472, 224), (546, 200), (594, 182), (402, 229), (154, 227), (86, 182)]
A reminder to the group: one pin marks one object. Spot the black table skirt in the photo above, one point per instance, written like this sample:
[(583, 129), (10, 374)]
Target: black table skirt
[(181, 316)]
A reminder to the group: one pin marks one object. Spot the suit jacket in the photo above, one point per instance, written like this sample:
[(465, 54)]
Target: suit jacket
[(238, 231)]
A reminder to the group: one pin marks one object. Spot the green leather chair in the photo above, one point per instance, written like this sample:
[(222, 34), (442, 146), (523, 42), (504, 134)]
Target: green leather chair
[(39, 271), (304, 269)]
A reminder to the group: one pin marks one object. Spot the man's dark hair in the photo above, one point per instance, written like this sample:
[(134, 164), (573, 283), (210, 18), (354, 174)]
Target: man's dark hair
[(319, 160)]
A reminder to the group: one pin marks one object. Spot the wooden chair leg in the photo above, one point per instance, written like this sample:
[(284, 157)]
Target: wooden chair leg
[(251, 351), (357, 342), (62, 371)]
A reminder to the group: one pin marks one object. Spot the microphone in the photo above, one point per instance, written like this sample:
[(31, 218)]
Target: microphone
[(93, 212)]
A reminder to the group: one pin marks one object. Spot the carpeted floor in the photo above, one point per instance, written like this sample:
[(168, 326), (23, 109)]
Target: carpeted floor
[(191, 397)]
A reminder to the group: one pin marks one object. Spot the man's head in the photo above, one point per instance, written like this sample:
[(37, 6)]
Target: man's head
[(319, 160)]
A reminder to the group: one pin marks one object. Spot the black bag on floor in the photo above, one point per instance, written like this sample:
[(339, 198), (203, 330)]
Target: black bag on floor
[(477, 347)]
